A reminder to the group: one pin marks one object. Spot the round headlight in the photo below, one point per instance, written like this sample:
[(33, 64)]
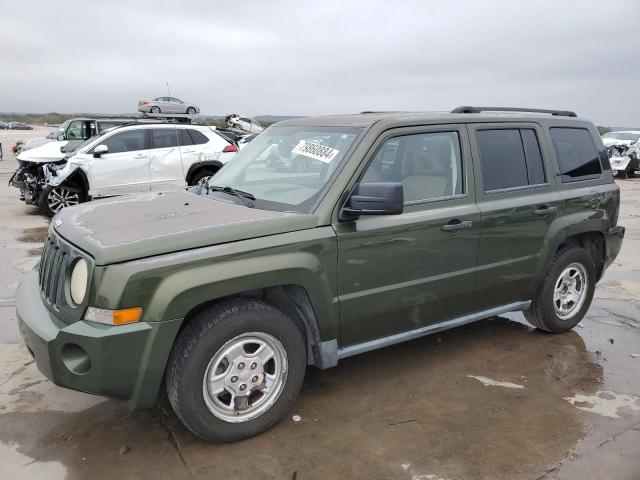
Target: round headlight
[(79, 276)]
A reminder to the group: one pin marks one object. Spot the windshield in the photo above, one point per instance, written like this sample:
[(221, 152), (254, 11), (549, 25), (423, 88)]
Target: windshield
[(286, 168), (60, 130), (633, 136)]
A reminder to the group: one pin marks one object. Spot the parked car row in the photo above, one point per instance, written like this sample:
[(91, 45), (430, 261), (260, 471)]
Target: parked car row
[(128, 158)]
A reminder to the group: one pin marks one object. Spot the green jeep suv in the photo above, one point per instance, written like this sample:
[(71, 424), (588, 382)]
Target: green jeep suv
[(384, 227)]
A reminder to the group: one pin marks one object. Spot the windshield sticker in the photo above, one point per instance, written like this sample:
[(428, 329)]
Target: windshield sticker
[(315, 150)]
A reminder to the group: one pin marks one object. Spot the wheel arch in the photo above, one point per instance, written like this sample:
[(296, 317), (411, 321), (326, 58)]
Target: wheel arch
[(293, 300), (194, 168)]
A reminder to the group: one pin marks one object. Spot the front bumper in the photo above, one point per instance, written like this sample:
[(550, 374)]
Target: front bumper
[(125, 362)]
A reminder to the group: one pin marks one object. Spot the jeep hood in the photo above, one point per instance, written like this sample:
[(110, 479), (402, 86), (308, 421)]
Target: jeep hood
[(128, 228)]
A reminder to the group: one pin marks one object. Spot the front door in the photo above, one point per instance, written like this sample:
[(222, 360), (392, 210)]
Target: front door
[(166, 170), (518, 201), (402, 272), (124, 168)]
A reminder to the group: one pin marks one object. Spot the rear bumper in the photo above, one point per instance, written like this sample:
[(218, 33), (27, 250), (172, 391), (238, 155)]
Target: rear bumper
[(613, 244), (125, 362)]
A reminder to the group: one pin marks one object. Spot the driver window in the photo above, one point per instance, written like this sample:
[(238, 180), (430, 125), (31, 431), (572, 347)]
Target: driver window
[(77, 131), (429, 165)]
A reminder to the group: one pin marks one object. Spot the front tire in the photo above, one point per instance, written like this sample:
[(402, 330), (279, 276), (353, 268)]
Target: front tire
[(191, 111), (235, 370), (566, 293), (54, 199)]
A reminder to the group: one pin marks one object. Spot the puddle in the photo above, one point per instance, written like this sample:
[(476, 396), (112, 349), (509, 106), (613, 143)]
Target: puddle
[(495, 383), (33, 235), (605, 403)]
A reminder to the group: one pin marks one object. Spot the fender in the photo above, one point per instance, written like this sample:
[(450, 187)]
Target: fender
[(212, 164), (171, 286)]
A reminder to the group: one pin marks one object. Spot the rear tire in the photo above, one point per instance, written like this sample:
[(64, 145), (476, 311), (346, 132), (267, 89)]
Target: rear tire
[(566, 292), (154, 110), (191, 111), (211, 361), (54, 199)]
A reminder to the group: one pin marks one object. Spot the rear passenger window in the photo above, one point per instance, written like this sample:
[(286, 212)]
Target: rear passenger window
[(510, 158), (164, 138), (577, 154), (197, 137)]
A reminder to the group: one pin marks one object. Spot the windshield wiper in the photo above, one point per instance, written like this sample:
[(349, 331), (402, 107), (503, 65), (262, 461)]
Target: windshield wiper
[(246, 197)]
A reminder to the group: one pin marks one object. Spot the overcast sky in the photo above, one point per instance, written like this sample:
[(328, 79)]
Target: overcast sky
[(322, 57)]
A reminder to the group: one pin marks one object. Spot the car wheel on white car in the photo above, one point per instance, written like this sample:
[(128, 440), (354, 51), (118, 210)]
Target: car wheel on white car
[(54, 199), (201, 178)]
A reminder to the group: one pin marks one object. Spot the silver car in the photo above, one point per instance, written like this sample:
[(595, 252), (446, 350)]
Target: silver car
[(167, 105)]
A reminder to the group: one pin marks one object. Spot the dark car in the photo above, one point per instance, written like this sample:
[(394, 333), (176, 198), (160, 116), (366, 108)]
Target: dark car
[(415, 223), (19, 126)]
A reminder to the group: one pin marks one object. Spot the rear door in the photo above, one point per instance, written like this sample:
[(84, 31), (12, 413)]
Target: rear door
[(402, 272), (518, 200), (165, 161), (125, 168)]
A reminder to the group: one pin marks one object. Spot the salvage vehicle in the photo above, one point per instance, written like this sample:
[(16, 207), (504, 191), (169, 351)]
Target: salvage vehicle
[(167, 105), (131, 158), (68, 136), (623, 148), (245, 124), (417, 223)]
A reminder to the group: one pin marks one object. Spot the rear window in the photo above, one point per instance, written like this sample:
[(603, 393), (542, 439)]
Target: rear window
[(510, 158), (577, 155)]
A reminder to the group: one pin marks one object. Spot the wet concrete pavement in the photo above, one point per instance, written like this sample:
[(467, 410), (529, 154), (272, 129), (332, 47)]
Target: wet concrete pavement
[(496, 399)]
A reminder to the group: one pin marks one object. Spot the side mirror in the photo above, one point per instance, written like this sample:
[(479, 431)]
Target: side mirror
[(374, 199), (100, 150), (60, 137)]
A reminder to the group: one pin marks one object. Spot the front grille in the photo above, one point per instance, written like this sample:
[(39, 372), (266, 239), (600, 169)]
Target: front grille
[(53, 268)]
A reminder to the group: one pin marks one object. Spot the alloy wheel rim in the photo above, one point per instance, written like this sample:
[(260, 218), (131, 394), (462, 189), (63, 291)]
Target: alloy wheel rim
[(60, 198), (570, 291), (203, 182), (245, 377)]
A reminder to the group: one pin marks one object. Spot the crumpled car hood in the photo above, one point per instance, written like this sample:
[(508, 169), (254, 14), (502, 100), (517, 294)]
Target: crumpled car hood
[(155, 223), (49, 152)]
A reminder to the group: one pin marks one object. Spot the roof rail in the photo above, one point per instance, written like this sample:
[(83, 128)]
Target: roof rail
[(559, 113)]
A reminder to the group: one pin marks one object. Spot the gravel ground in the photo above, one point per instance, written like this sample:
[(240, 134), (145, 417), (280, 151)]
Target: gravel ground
[(495, 399)]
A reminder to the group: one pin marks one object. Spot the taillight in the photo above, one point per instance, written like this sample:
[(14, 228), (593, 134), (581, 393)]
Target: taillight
[(230, 148)]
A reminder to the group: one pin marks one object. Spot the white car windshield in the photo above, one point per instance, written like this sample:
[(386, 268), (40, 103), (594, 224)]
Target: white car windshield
[(286, 168), (633, 136)]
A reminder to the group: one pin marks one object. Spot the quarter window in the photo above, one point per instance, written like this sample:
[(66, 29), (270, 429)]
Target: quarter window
[(510, 158), (164, 138), (577, 155), (429, 165), (197, 137), (126, 141)]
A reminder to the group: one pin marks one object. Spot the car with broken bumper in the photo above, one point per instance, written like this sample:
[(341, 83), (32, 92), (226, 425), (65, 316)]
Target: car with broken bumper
[(131, 158), (415, 224), (623, 148)]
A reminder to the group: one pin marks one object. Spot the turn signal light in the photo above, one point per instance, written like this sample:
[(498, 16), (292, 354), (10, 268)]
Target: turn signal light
[(113, 317)]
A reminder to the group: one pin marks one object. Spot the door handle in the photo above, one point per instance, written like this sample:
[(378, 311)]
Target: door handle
[(456, 225), (545, 210), (140, 155)]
